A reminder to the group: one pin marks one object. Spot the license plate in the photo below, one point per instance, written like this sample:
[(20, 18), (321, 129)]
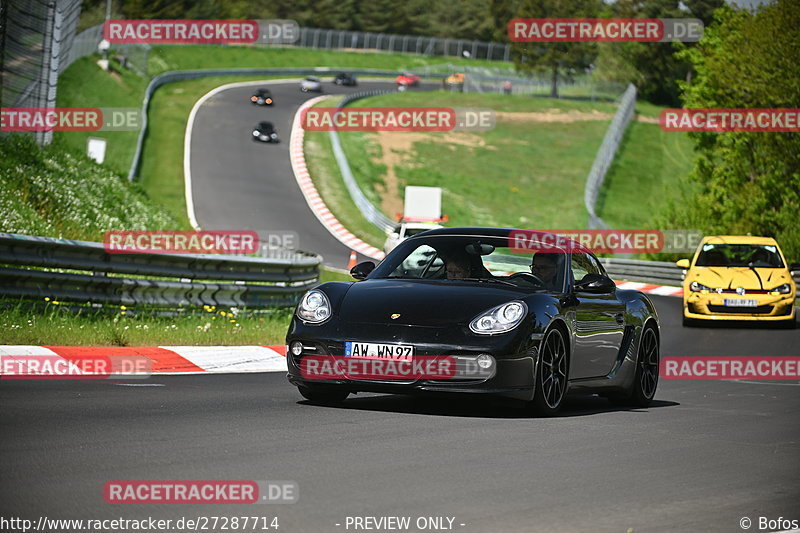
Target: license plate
[(388, 352), (736, 302)]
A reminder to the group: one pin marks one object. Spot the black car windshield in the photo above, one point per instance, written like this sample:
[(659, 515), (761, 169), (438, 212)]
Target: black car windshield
[(739, 255), (474, 258)]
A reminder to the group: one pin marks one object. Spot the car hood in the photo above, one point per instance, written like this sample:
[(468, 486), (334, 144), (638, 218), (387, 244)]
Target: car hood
[(733, 277), (422, 303)]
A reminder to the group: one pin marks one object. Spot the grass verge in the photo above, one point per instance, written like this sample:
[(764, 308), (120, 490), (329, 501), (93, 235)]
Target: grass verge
[(646, 174), (528, 171), (328, 180), (54, 192), (165, 58), (53, 323), (84, 84)]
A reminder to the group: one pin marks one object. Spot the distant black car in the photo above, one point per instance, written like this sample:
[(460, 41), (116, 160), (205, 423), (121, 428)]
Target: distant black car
[(540, 325), (345, 78), (265, 132), (262, 97)]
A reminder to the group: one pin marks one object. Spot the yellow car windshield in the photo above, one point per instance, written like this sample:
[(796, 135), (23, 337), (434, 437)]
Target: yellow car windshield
[(739, 255)]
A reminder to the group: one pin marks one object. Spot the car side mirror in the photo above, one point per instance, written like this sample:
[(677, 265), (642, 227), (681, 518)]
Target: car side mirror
[(362, 270), (596, 283), (683, 263)]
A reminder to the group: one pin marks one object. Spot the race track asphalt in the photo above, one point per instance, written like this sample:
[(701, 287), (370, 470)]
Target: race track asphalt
[(706, 454), (239, 184)]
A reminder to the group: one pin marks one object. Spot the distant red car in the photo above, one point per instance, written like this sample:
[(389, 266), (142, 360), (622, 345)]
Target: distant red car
[(407, 79)]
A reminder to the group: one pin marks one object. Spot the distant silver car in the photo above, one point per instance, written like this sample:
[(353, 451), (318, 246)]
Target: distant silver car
[(311, 84)]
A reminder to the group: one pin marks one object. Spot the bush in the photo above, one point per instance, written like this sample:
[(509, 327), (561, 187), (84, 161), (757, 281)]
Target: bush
[(56, 193)]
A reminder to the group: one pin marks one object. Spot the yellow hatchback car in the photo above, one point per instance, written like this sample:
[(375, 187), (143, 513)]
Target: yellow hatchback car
[(738, 278)]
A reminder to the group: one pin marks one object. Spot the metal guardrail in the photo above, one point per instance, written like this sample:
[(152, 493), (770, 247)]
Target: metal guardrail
[(370, 212), (34, 267), (182, 75), (606, 153), (657, 272)]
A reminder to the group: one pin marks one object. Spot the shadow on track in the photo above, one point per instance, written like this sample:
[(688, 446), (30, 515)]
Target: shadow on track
[(480, 407)]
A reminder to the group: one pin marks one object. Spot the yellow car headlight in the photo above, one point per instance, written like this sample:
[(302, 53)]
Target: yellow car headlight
[(783, 289), (698, 287)]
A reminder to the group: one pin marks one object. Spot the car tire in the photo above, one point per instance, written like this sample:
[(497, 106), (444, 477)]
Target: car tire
[(552, 373), (647, 366), (323, 395), (788, 324), (645, 381), (689, 322)]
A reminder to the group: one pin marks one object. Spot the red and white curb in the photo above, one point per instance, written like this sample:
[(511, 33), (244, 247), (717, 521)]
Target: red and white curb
[(648, 288), (165, 360), (310, 193)]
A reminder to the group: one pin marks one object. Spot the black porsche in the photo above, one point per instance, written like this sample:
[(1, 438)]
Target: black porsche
[(265, 132), (540, 321)]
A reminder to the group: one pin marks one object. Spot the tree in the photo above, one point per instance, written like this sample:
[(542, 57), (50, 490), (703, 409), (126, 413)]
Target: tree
[(654, 68), (559, 57), (746, 182)]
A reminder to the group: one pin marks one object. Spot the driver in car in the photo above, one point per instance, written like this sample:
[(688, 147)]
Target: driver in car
[(462, 266), (544, 266)]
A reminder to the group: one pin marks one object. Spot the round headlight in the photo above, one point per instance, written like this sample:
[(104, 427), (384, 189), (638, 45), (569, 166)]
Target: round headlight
[(314, 300), (511, 313), (315, 307), (499, 319)]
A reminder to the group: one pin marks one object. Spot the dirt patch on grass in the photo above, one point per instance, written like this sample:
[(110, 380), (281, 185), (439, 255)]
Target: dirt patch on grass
[(397, 149), (552, 115), (561, 116)]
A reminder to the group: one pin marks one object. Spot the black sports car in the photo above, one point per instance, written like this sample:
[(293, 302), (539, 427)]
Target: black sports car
[(345, 78), (262, 97), (265, 132), (538, 323)]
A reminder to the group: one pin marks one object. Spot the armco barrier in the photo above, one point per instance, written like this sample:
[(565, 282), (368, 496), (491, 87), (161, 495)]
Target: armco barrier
[(370, 212), (658, 272), (161, 280), (605, 155)]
